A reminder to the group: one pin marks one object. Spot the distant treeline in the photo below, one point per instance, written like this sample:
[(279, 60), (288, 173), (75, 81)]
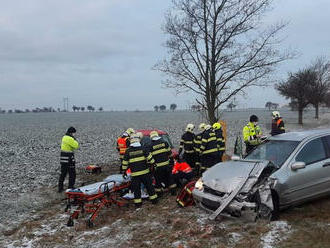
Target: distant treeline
[(89, 108)]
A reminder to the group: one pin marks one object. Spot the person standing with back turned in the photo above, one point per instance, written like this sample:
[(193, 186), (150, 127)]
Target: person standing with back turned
[(68, 164)]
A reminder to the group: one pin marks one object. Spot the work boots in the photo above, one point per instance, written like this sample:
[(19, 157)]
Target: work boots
[(138, 205)]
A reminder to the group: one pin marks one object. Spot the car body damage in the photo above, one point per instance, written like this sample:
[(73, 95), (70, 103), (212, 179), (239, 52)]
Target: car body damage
[(234, 186)]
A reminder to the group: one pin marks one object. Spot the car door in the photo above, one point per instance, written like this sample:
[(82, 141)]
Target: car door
[(311, 181), (326, 165)]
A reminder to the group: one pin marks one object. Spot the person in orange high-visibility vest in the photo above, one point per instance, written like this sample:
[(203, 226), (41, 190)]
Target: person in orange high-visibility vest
[(277, 124), (180, 171), (122, 144)]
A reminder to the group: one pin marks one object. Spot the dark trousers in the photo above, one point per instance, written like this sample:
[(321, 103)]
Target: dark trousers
[(67, 166), (65, 169), (208, 161), (163, 176), (136, 187), (220, 156), (181, 176), (190, 158)]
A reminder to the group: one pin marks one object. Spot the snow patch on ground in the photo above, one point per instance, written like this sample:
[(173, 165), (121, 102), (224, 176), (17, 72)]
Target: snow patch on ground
[(279, 231)]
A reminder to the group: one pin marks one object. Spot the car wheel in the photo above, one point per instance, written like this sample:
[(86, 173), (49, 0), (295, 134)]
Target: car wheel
[(266, 213)]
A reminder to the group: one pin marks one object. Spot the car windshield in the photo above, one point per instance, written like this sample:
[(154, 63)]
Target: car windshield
[(276, 151)]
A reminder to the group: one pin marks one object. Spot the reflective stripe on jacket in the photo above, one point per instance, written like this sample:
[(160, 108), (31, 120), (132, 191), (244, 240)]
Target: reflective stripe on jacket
[(137, 159), (250, 133), (183, 167), (220, 140), (69, 144), (122, 145), (161, 152), (186, 142), (209, 142)]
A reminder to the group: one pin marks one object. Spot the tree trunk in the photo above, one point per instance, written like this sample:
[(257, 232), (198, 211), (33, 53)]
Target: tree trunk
[(300, 116), (316, 106)]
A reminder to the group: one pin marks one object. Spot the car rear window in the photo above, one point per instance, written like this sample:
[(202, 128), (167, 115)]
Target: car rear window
[(312, 152)]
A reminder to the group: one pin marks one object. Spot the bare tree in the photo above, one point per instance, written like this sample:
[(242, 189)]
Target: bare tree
[(320, 87), (296, 88), (173, 106), (217, 49), (162, 107)]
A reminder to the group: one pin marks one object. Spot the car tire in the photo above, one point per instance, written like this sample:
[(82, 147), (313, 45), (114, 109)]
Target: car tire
[(266, 213)]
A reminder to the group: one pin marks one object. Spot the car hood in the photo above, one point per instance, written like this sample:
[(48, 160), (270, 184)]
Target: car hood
[(225, 177)]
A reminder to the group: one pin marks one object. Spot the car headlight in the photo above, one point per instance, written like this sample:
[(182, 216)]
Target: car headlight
[(199, 184)]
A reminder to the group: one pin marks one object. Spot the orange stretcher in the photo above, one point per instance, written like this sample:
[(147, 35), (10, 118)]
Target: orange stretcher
[(92, 198)]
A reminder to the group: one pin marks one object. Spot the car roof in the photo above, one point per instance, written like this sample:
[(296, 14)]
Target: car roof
[(146, 132), (300, 135)]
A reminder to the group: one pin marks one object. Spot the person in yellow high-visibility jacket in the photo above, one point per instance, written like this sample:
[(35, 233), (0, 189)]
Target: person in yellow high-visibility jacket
[(252, 134), (68, 165)]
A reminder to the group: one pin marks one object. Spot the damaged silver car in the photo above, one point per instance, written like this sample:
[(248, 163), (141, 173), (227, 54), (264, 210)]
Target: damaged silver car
[(286, 170)]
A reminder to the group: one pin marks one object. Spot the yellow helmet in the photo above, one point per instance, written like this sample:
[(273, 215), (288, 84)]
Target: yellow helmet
[(190, 127), (216, 126), (202, 126), (130, 131), (153, 134)]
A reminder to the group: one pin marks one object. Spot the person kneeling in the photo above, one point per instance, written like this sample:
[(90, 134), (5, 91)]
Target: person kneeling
[(181, 172)]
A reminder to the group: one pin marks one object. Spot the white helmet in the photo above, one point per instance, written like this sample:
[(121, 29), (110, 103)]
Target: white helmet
[(134, 138), (276, 114), (190, 127), (202, 126), (207, 127)]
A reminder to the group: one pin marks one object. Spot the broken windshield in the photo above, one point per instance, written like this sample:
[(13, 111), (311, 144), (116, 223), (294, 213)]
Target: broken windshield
[(276, 151)]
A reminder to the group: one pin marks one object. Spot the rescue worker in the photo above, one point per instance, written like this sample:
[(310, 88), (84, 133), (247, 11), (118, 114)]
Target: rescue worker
[(252, 134), (197, 148), (181, 171), (161, 152), (139, 161), (187, 145), (130, 131), (67, 161), (220, 140), (277, 124), (209, 149), (122, 144)]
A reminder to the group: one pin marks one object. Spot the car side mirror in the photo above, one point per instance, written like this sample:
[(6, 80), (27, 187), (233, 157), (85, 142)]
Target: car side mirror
[(235, 157), (298, 165)]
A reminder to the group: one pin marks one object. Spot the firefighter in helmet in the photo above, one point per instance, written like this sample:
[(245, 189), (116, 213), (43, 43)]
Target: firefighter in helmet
[(186, 145), (139, 161), (220, 139), (277, 124), (161, 152), (209, 149)]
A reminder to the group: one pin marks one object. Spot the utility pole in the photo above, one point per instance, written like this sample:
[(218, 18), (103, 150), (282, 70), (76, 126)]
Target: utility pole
[(66, 104)]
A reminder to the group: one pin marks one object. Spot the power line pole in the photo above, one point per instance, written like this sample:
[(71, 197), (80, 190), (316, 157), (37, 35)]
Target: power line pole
[(66, 104)]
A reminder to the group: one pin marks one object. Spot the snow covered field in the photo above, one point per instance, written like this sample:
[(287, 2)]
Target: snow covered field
[(29, 152)]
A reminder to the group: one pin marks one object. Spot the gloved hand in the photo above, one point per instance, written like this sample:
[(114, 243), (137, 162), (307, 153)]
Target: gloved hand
[(152, 168), (125, 175)]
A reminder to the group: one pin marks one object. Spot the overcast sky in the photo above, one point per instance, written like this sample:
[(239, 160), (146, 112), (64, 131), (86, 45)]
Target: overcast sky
[(100, 52)]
